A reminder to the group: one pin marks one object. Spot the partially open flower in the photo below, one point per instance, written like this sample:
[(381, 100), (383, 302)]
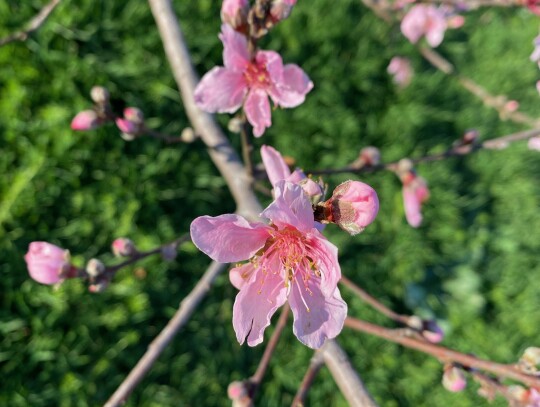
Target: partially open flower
[(123, 247), (281, 9), (234, 13), (353, 206), (132, 124), (47, 263)]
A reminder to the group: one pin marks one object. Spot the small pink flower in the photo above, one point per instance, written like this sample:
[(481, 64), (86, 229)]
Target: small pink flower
[(235, 12), (47, 263), (123, 247), (281, 9), (533, 397), (424, 20), (85, 120), (289, 260), (250, 82), (132, 124), (454, 379), (534, 143), (402, 71), (278, 170), (353, 206), (415, 192)]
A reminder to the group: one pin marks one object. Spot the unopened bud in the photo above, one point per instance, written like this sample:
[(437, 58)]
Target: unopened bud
[(432, 331), (454, 379), (134, 114), (235, 12), (99, 287), (353, 206), (188, 135), (371, 156), (132, 124), (531, 358), (534, 143), (235, 125), (511, 106), (238, 392), (123, 247), (85, 120), (99, 95), (94, 268), (314, 190), (169, 252), (470, 136), (281, 9)]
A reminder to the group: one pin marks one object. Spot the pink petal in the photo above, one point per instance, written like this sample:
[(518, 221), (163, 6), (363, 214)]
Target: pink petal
[(325, 255), (127, 126), (221, 91), (256, 303), (271, 62), (412, 207), (534, 143), (240, 275), (412, 25), (228, 238), (291, 90), (290, 208), (316, 317), (257, 108), (235, 49), (435, 26), (85, 120), (45, 262), (275, 165)]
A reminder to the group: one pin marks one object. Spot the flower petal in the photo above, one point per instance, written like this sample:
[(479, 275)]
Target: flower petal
[(256, 303), (291, 207), (325, 254), (275, 165), (228, 238), (257, 108), (235, 49), (221, 91), (239, 275), (316, 317), (412, 207), (291, 89), (273, 64)]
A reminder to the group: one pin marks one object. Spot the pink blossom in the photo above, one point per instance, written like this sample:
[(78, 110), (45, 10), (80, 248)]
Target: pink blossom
[(535, 56), (278, 170), (353, 206), (289, 260), (123, 247), (132, 124), (533, 397), (85, 120), (415, 192), (402, 71), (234, 13), (47, 263), (250, 82), (424, 20)]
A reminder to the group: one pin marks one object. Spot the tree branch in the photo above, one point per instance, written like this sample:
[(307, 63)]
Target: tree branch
[(182, 315), (32, 25), (315, 365)]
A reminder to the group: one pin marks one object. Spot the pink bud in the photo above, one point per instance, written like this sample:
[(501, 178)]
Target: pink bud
[(454, 379), (123, 247), (95, 268), (401, 70), (370, 156), (47, 263), (134, 114), (353, 206), (127, 126), (511, 106), (237, 390), (432, 331), (281, 9), (534, 143), (235, 12), (415, 193), (85, 120)]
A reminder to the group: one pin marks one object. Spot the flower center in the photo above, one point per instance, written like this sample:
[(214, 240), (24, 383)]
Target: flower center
[(257, 76)]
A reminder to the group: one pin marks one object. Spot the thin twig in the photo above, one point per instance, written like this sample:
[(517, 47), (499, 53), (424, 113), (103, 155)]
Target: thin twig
[(315, 365), (158, 345), (36, 22), (457, 151), (364, 296), (443, 354), (256, 380)]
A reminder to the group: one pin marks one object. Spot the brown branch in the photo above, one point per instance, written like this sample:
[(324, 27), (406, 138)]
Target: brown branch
[(444, 354), (315, 365), (256, 380), (32, 25), (158, 345), (456, 151), (346, 377), (474, 4)]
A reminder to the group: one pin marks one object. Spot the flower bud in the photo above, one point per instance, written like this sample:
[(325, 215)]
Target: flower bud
[(235, 125), (534, 143), (281, 9), (454, 379), (123, 247), (401, 70), (431, 331), (371, 156), (99, 95), (470, 136), (95, 268), (47, 263), (188, 135), (531, 358), (85, 120), (134, 115), (238, 392), (353, 206), (235, 12), (511, 106), (100, 286)]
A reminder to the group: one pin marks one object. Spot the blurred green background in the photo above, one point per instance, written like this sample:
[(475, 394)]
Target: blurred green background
[(473, 264)]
